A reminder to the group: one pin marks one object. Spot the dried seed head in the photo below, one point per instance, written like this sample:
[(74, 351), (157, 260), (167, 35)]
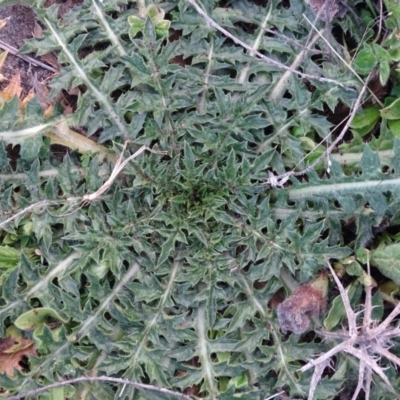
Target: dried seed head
[(305, 302), (328, 9)]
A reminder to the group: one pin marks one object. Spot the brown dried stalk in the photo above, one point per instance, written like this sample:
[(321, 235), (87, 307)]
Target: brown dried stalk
[(368, 342)]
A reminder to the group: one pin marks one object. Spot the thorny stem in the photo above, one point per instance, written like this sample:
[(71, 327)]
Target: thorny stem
[(318, 370), (382, 327), (386, 353), (351, 316), (368, 296), (360, 383), (328, 355), (363, 356), (367, 342)]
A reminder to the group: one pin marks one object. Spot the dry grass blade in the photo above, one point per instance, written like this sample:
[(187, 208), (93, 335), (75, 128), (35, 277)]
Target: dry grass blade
[(100, 379), (368, 296), (348, 66), (25, 210), (119, 166), (257, 53), (280, 179)]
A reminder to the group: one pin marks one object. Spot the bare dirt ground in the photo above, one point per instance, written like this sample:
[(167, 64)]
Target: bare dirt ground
[(22, 25)]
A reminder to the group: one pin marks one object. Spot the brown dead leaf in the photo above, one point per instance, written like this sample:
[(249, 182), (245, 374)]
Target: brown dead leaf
[(13, 349), (3, 22), (6, 343), (3, 56), (37, 31), (42, 92), (13, 88), (48, 111), (27, 98), (50, 59), (68, 108)]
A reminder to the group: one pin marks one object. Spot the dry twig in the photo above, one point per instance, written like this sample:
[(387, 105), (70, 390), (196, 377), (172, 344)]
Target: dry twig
[(279, 180), (101, 379), (119, 166), (28, 59), (25, 210), (257, 53), (348, 66)]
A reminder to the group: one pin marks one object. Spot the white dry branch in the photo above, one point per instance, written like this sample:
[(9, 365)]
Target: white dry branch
[(119, 166), (257, 53), (368, 342), (348, 66), (100, 379), (25, 210), (280, 180)]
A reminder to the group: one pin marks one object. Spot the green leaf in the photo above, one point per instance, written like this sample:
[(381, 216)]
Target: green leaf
[(392, 111), (381, 54), (365, 61), (384, 72), (155, 13), (136, 25), (239, 381), (177, 266), (263, 161), (37, 317), (9, 258), (366, 120), (167, 248), (337, 310), (393, 9), (57, 393), (394, 126), (162, 28), (394, 54), (370, 164), (387, 260), (188, 159)]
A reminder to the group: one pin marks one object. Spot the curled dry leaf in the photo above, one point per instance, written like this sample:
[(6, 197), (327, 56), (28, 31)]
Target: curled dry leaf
[(307, 301), (13, 349), (13, 88)]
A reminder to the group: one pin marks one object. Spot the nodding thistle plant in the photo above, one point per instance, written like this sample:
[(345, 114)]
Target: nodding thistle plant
[(163, 275)]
